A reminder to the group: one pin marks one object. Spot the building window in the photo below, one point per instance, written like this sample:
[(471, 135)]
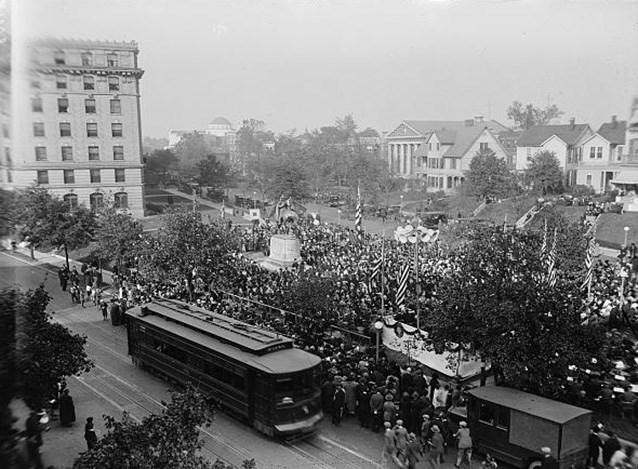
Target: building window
[(67, 153), (114, 84), (96, 200), (87, 59), (529, 154), (60, 82), (38, 129), (9, 176), (72, 200), (484, 146), (89, 82), (119, 175), (116, 106), (95, 176), (36, 104), (91, 129), (588, 180), (63, 105), (452, 163), (619, 151), (69, 176), (116, 129), (7, 155), (58, 57), (438, 146), (112, 60), (65, 129), (35, 83), (600, 153), (43, 177), (5, 130), (118, 153), (94, 153), (40, 153), (120, 200), (89, 106)]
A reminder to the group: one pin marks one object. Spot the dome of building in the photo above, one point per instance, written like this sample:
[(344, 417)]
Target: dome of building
[(221, 121)]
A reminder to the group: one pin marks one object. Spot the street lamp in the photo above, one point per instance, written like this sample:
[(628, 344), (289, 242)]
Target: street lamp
[(415, 235), (378, 327), (626, 233), (339, 216), (254, 200)]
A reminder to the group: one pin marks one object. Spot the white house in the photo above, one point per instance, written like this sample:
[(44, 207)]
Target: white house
[(602, 155), (447, 154), (565, 141)]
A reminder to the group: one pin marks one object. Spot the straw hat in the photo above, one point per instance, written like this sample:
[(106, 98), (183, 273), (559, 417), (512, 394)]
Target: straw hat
[(462, 423), (435, 428)]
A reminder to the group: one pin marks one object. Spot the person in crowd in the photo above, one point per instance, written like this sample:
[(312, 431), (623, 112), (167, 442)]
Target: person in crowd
[(104, 309), (63, 275), (401, 435), (463, 444), (389, 409), (338, 404), (363, 404), (489, 463), (414, 452), (595, 444), (67, 409), (610, 446), (389, 456), (89, 434), (328, 389), (435, 444), (376, 409), (548, 461), (350, 387)]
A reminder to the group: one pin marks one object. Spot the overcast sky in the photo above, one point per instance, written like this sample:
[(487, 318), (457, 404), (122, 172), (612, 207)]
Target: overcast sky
[(298, 64)]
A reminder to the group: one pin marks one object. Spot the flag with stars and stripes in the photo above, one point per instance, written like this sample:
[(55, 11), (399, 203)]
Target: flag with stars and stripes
[(403, 285), (359, 215), (544, 245), (589, 263), (551, 262), (376, 270)]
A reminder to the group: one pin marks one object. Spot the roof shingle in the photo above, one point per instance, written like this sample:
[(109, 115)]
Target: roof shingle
[(614, 132), (535, 136)]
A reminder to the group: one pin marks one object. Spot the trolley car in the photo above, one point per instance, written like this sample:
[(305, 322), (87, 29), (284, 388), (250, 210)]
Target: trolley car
[(255, 374)]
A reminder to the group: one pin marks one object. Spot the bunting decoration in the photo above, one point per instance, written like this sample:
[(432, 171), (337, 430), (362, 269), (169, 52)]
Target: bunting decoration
[(589, 264), (544, 245)]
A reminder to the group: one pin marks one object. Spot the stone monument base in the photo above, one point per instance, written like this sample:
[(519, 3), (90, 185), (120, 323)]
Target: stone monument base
[(284, 252)]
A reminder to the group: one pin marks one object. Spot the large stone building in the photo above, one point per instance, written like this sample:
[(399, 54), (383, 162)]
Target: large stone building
[(76, 121), (219, 134)]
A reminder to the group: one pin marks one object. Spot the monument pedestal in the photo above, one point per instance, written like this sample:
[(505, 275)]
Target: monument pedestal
[(284, 252)]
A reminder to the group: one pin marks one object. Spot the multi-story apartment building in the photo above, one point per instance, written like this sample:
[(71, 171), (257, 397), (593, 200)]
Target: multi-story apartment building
[(76, 121)]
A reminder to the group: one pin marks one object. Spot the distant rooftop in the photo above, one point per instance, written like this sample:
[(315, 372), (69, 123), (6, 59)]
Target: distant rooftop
[(221, 121), (67, 43), (535, 136)]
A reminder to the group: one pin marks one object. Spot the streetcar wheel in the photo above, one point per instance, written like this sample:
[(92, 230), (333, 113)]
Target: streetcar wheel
[(535, 464)]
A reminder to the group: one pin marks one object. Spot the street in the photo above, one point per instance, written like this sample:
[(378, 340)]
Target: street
[(115, 385)]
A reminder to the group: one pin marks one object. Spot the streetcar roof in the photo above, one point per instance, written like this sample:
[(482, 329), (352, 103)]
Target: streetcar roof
[(242, 335), (280, 361), (547, 409)]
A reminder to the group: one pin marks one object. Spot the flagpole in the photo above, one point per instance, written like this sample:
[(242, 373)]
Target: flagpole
[(383, 274)]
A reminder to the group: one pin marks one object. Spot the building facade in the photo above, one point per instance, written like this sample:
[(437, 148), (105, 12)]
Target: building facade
[(219, 135), (76, 121)]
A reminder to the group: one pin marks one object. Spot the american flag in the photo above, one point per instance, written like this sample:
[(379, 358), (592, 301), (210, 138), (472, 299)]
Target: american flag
[(544, 245), (376, 269), (551, 262), (359, 216), (589, 263), (403, 285)]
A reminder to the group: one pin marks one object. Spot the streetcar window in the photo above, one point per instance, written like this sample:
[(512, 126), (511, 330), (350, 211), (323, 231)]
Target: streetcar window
[(283, 385), (486, 413)]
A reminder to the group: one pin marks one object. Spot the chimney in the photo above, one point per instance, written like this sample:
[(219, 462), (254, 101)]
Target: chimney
[(469, 122), (614, 122), (572, 123)]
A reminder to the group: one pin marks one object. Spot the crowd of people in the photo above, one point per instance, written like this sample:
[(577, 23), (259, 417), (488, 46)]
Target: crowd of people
[(354, 384)]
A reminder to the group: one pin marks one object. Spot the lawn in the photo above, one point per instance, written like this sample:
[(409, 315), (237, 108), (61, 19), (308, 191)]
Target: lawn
[(513, 209), (611, 233)]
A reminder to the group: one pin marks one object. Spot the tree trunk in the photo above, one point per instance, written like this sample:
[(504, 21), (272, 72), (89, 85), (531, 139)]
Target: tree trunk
[(66, 256)]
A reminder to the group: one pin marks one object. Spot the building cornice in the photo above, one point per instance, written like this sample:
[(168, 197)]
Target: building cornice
[(75, 43), (92, 70)]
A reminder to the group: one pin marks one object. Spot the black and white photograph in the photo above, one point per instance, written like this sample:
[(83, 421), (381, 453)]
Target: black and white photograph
[(317, 234)]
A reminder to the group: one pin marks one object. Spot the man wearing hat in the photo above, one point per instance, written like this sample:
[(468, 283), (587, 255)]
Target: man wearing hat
[(376, 410), (436, 444), (549, 461), (464, 444)]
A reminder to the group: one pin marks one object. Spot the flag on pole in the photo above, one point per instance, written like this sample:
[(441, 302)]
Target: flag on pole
[(544, 245), (376, 269), (551, 262), (589, 262), (403, 285), (222, 213), (359, 216)]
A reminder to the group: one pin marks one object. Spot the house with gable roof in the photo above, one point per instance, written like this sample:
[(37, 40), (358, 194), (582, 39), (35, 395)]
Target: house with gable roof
[(602, 156), (565, 141), (447, 155), (410, 136)]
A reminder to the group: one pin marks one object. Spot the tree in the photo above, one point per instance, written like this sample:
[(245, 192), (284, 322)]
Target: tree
[(47, 220), (528, 115), (248, 137), (117, 234), (159, 164), (497, 303), (544, 173), (488, 175), (47, 352), (167, 440), (182, 244), (7, 204), (150, 144), (285, 176), (192, 148), (210, 172)]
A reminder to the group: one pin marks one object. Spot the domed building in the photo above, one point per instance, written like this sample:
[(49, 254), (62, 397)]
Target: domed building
[(219, 127)]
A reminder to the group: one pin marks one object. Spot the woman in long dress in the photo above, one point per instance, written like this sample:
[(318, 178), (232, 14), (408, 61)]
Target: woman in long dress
[(67, 409)]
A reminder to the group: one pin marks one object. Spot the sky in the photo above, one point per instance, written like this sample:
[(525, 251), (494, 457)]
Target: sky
[(300, 64)]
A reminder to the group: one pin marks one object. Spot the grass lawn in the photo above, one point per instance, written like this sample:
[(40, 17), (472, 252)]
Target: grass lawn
[(163, 199), (155, 191), (512, 208), (611, 233)]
